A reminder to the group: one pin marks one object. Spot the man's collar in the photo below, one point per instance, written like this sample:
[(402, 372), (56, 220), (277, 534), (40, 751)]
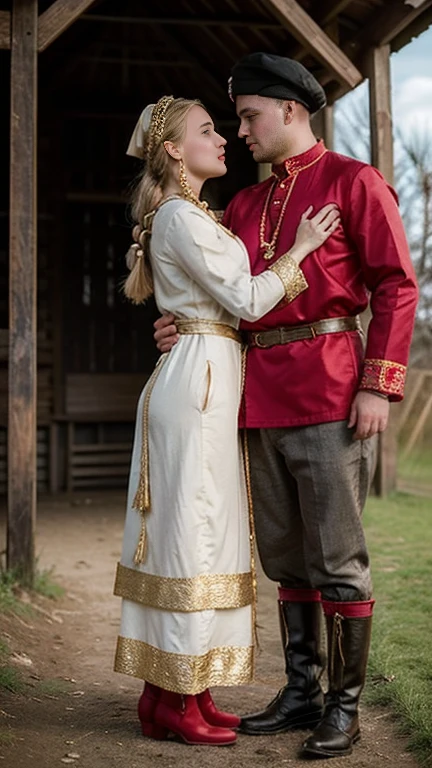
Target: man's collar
[(298, 162)]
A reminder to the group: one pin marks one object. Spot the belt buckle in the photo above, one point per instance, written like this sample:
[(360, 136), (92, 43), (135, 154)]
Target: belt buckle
[(257, 342), (313, 331)]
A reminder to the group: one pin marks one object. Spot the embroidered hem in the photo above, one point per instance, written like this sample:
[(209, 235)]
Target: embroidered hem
[(199, 593), (182, 673)]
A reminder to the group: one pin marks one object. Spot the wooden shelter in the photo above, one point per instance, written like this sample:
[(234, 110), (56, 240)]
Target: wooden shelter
[(73, 353)]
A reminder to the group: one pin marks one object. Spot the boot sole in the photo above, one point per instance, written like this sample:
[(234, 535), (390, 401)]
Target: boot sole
[(168, 731), (297, 725), (204, 743), (323, 753)]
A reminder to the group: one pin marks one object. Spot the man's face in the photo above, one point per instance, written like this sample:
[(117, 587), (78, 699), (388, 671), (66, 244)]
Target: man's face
[(262, 125)]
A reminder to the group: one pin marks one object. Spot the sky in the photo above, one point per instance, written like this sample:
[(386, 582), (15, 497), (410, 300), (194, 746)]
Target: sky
[(411, 70)]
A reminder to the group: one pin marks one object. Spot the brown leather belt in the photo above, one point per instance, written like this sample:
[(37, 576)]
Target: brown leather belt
[(266, 339)]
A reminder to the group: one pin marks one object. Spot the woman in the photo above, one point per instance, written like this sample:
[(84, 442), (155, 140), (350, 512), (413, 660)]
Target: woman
[(186, 571)]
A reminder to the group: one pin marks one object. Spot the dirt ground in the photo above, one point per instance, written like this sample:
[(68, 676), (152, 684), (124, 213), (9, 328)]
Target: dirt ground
[(77, 711)]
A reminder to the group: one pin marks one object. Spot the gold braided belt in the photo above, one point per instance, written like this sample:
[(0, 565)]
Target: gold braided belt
[(207, 327)]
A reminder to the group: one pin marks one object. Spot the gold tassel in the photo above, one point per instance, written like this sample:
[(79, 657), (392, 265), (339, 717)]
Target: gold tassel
[(141, 550), (141, 500)]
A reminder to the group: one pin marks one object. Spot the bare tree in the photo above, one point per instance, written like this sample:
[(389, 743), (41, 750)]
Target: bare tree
[(413, 182)]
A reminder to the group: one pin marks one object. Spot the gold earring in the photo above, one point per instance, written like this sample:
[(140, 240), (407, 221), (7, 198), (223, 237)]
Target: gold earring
[(187, 191)]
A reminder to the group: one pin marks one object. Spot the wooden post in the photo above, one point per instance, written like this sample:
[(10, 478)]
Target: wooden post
[(22, 291), (381, 128)]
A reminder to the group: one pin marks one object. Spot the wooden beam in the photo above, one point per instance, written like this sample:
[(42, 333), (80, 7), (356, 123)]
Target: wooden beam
[(312, 37), (386, 25), (130, 61), (5, 29), (22, 291), (57, 18), (185, 21), (327, 17), (329, 10)]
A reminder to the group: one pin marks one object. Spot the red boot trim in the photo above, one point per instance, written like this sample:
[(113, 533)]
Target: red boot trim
[(359, 609), (299, 595)]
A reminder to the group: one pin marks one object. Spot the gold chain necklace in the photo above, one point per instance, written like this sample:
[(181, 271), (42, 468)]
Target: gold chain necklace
[(270, 248)]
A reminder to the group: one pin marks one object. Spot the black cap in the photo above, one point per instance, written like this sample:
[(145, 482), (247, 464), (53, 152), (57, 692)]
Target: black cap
[(277, 77)]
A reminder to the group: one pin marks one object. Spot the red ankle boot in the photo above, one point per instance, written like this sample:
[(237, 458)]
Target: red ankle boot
[(182, 715), (214, 716), (146, 710)]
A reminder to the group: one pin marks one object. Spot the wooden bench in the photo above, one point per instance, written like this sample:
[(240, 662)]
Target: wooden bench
[(94, 404)]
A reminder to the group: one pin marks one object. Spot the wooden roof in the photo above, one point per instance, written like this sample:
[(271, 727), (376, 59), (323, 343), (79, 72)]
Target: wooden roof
[(118, 55)]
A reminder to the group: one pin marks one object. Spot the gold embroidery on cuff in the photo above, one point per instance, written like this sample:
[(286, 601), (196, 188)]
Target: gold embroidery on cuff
[(291, 275), (199, 593), (182, 673), (385, 376)]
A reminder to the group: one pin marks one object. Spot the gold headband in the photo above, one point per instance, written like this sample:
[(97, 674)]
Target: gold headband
[(149, 128), (157, 123)]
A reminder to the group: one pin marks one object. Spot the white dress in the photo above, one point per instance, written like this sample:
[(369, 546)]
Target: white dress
[(187, 609)]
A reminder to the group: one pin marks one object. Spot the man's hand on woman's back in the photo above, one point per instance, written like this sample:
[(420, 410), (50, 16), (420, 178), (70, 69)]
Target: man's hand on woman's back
[(165, 334)]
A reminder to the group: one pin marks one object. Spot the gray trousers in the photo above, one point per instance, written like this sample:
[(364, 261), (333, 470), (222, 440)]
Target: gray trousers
[(309, 487)]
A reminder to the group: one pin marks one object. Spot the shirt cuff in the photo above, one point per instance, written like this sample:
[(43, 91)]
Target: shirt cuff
[(384, 376), (292, 277)]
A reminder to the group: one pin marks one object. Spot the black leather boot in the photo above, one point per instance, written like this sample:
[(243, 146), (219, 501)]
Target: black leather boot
[(349, 628), (300, 703)]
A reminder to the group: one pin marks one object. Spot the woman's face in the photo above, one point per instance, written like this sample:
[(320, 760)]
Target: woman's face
[(203, 150)]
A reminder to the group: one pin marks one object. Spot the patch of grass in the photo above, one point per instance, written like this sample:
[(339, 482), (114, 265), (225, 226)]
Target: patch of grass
[(45, 585), (399, 533), (10, 677), (9, 601), (11, 586), (6, 737)]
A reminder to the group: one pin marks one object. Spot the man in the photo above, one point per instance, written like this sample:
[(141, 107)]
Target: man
[(314, 401)]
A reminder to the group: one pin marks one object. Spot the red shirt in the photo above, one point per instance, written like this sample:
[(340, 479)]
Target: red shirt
[(314, 381)]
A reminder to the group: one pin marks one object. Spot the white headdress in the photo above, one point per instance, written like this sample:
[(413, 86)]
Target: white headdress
[(137, 142)]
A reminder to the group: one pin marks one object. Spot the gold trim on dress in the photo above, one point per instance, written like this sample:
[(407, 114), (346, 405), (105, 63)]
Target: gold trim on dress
[(385, 376), (183, 673), (199, 593), (292, 277)]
